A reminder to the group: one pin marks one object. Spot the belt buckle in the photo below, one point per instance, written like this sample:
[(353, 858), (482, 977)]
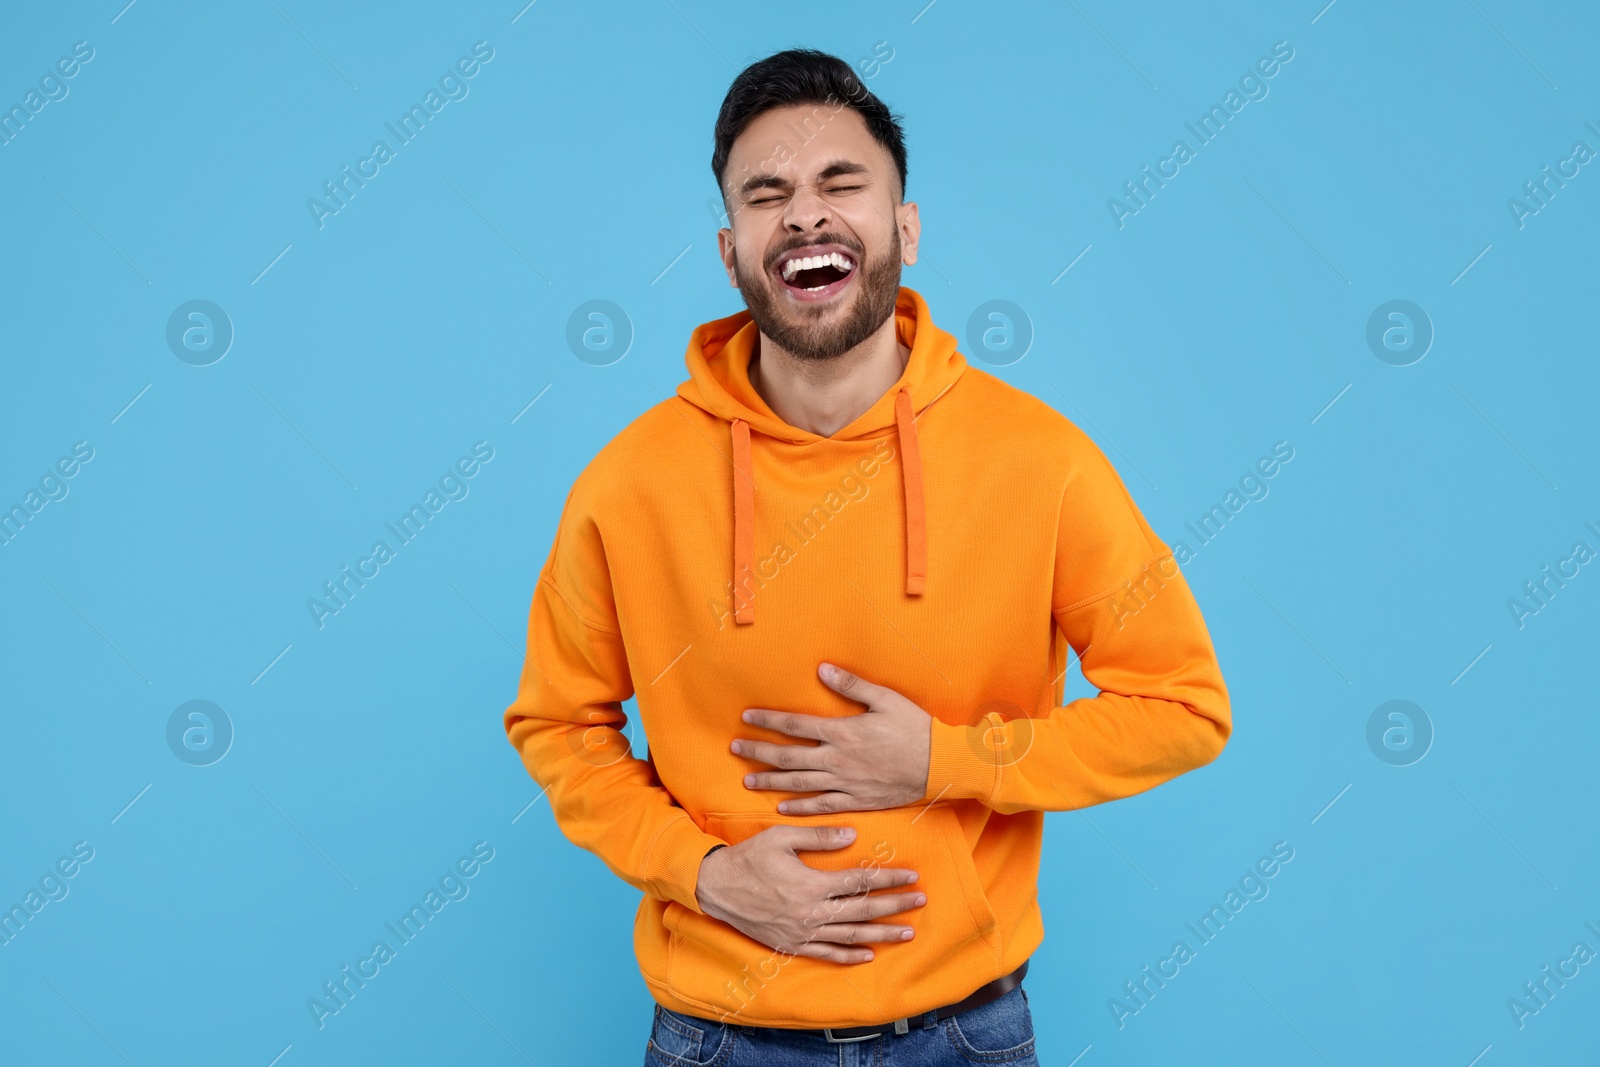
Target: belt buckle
[(827, 1032), (901, 1026)]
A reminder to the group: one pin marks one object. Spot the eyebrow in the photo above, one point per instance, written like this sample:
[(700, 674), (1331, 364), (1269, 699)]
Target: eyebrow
[(838, 168)]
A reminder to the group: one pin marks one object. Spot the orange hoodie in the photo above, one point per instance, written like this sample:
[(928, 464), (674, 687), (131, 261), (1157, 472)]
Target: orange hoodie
[(950, 543)]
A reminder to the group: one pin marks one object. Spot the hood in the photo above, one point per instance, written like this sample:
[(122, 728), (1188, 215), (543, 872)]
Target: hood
[(718, 360)]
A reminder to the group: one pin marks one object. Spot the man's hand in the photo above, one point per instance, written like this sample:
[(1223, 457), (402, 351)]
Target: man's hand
[(878, 759), (763, 890)]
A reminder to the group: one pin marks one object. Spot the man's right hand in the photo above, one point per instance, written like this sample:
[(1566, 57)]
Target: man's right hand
[(763, 890)]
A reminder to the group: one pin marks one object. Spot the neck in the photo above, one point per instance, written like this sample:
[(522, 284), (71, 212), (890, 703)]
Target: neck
[(825, 396)]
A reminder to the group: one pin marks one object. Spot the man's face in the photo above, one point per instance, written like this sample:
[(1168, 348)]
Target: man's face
[(810, 184)]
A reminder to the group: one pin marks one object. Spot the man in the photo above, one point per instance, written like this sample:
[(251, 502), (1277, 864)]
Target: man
[(841, 571)]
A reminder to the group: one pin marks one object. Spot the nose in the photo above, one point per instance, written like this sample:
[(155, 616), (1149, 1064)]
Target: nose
[(806, 211)]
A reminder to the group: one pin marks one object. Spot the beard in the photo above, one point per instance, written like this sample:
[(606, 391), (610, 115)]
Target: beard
[(820, 333)]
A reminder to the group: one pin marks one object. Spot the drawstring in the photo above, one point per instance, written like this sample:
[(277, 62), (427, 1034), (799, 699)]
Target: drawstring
[(744, 525), (744, 510), (916, 522)]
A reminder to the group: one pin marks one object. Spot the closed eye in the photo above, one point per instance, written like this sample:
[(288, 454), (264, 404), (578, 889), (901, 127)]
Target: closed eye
[(773, 199)]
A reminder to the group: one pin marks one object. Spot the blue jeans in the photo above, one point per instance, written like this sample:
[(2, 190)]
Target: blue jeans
[(1000, 1031)]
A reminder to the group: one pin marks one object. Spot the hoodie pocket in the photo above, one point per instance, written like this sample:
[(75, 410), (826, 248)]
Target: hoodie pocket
[(711, 963)]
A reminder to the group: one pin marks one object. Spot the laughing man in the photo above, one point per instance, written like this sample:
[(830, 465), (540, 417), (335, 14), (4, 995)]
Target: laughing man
[(854, 711)]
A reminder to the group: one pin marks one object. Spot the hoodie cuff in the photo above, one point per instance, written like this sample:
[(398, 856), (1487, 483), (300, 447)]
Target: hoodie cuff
[(961, 766), (675, 859)]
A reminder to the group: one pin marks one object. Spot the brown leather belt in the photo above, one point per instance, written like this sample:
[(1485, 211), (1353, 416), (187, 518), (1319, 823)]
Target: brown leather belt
[(983, 995)]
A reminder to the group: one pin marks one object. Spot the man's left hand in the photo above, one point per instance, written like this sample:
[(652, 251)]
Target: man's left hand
[(877, 759)]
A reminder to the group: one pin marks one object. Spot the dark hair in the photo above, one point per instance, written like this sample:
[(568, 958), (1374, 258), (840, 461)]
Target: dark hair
[(803, 76)]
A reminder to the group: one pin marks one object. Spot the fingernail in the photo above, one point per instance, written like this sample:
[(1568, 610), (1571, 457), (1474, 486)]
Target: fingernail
[(782, 808), (750, 779), (827, 671), (848, 834), (736, 749), (746, 716), (921, 899), (866, 958), (913, 878), (905, 935)]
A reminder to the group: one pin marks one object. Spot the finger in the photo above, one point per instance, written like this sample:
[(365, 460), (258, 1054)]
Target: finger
[(789, 722), (819, 805), (789, 757), (853, 685), (794, 781), (809, 838), (822, 950), (865, 879), (864, 909), (862, 933)]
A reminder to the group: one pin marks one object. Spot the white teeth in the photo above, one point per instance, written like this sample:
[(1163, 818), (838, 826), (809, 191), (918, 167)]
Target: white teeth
[(833, 259)]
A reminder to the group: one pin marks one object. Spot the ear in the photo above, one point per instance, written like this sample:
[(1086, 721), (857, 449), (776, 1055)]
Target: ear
[(725, 250), (910, 225)]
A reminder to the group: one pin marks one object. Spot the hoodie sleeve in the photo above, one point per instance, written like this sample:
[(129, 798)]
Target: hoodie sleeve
[(1125, 609), (567, 722)]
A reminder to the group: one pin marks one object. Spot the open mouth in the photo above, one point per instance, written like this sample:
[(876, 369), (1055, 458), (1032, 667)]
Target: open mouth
[(818, 275)]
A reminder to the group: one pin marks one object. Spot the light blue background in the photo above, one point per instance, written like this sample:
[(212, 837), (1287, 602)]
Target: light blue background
[(428, 314)]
